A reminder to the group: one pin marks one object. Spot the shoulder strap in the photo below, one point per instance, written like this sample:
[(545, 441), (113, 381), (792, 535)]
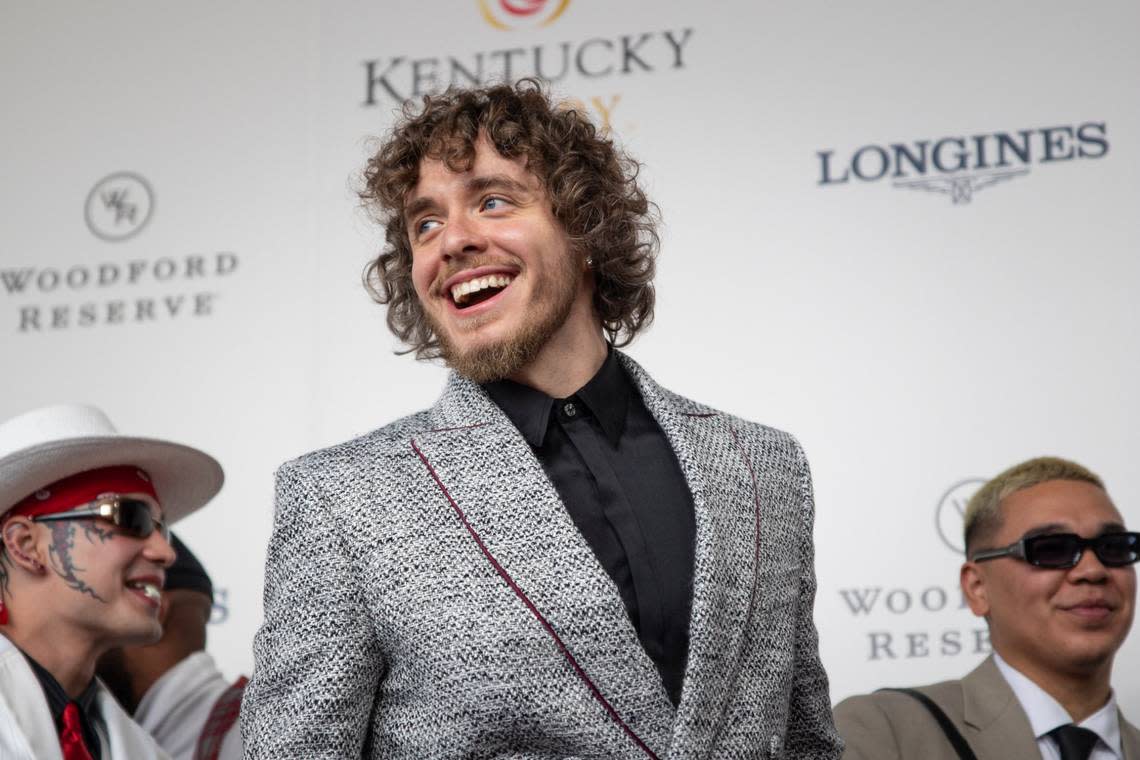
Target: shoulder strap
[(221, 719), (961, 746)]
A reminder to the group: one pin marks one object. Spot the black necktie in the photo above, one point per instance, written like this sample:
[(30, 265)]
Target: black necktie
[(1076, 743)]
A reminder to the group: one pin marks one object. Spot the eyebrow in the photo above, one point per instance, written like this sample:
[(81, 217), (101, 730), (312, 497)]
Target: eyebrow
[(473, 186), (478, 185), (416, 207)]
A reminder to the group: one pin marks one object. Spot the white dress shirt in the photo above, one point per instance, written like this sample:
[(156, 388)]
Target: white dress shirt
[(1046, 713), (175, 708)]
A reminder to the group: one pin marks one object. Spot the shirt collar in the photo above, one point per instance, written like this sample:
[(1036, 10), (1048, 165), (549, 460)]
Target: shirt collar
[(57, 698), (606, 395), (527, 408), (1046, 713)]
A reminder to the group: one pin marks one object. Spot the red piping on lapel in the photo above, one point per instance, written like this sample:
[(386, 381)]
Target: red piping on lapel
[(755, 587), (597, 693), (457, 427)]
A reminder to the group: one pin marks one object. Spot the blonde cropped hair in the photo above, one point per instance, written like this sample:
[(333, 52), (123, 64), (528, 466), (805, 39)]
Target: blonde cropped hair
[(983, 511)]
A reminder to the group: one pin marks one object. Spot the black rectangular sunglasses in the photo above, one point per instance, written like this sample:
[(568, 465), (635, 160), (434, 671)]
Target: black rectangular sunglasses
[(1063, 550), (132, 516)]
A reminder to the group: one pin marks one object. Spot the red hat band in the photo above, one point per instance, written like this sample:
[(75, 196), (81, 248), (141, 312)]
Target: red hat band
[(83, 488)]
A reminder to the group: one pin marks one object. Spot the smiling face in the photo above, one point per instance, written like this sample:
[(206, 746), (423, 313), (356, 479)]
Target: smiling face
[(101, 583), (1042, 620), (492, 267)]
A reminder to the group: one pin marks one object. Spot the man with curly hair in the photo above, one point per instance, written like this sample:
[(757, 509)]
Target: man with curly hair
[(560, 558)]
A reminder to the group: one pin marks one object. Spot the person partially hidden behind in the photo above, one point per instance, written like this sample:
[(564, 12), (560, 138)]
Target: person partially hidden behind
[(172, 687), (83, 521), (560, 558), (1050, 567)]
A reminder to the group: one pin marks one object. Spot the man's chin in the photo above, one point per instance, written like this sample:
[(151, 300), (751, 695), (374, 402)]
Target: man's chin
[(140, 634), (1086, 657), (485, 359), (486, 364)]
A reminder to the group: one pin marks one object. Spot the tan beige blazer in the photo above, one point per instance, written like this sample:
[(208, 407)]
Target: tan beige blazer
[(893, 726)]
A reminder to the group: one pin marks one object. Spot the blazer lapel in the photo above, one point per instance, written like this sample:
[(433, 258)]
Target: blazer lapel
[(498, 490), (726, 586), (125, 737), (991, 707), (1129, 738), (26, 706)]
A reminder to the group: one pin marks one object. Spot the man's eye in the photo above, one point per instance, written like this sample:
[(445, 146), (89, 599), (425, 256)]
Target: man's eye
[(494, 203), (426, 226)]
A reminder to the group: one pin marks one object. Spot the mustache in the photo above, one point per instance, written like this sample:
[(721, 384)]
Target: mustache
[(449, 270)]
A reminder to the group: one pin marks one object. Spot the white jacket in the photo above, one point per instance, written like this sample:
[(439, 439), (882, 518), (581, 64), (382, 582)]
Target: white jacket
[(27, 731), (174, 710)]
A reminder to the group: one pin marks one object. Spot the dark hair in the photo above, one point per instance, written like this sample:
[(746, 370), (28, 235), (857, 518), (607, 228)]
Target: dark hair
[(591, 184)]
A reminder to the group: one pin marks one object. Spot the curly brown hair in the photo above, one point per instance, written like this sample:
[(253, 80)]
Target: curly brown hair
[(591, 184)]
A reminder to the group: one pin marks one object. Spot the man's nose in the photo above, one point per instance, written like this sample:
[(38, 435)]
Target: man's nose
[(1088, 568), (159, 550), (462, 235)]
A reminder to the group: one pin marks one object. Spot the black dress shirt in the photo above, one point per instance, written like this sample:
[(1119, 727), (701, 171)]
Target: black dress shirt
[(621, 483), (57, 700)]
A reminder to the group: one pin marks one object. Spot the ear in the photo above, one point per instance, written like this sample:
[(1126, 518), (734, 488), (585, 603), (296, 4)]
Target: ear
[(973, 583), (19, 536)]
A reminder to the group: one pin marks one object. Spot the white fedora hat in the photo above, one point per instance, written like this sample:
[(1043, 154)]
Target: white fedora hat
[(45, 445)]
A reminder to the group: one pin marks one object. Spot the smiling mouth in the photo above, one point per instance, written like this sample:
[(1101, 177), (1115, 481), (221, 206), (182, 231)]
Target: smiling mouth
[(148, 589), (479, 289)]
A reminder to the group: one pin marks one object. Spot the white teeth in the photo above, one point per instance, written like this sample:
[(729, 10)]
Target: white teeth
[(152, 592), (460, 292)]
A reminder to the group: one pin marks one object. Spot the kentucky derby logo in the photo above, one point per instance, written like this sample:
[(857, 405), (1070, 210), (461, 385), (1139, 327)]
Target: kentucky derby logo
[(960, 166), (119, 206), (951, 513), (521, 14)]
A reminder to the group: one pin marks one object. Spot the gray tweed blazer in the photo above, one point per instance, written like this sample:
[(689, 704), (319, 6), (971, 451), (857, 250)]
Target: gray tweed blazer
[(428, 596)]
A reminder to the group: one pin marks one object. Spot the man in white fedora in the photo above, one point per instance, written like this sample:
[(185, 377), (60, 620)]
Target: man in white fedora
[(84, 547)]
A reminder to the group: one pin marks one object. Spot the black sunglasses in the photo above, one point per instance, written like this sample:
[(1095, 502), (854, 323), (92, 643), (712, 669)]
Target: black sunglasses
[(1063, 550), (132, 516)]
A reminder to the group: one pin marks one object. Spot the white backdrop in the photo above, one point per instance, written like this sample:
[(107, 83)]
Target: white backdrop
[(912, 342)]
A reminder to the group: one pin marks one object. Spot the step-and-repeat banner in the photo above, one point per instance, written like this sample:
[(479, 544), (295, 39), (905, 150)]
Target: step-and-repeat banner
[(906, 233)]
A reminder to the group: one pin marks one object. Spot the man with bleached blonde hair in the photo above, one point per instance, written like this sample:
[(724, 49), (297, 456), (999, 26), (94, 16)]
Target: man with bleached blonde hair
[(1050, 567)]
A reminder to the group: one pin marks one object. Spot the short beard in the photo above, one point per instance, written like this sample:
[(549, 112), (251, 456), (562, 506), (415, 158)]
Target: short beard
[(486, 364), (553, 302)]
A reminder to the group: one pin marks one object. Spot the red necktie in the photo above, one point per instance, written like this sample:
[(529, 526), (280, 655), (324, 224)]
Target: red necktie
[(71, 736)]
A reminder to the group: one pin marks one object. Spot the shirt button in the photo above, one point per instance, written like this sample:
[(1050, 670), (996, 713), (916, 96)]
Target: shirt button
[(570, 409)]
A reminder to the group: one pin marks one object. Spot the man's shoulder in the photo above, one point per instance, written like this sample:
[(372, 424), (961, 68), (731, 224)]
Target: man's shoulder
[(1129, 737), (894, 705), (774, 454), (743, 428), (894, 725), (390, 442)]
